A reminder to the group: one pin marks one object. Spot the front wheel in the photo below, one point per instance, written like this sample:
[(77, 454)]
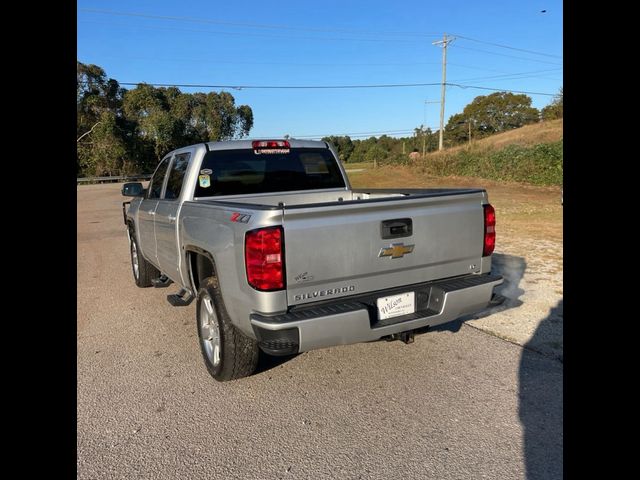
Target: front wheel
[(142, 270), (227, 352)]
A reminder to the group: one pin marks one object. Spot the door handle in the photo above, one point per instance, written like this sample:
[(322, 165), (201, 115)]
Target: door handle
[(152, 213), (398, 228), (172, 219)]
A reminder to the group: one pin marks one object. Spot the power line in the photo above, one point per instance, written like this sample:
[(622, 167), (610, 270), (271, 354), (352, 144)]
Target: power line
[(476, 68), (504, 76), (516, 77), (485, 69), (352, 135), (295, 64), (302, 29), (355, 134), (310, 87), (509, 47), (510, 56), (499, 89), (243, 87), (245, 34), (307, 29), (519, 77), (251, 25)]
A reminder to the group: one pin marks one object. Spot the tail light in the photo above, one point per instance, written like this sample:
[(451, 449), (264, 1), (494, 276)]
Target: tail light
[(489, 230), (263, 254), (258, 144), (271, 146)]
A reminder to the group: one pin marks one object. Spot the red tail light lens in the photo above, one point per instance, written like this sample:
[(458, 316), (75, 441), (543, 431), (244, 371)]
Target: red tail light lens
[(489, 230), (263, 255)]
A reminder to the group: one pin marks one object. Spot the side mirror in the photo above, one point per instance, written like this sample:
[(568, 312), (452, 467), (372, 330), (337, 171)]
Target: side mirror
[(133, 189)]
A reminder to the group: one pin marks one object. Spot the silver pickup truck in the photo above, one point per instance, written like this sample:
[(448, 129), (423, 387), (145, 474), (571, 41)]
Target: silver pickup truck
[(281, 254)]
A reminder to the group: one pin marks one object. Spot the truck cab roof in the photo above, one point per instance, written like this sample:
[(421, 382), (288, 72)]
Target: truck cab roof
[(241, 144)]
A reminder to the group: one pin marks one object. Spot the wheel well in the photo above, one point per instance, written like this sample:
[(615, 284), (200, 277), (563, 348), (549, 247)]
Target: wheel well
[(201, 266)]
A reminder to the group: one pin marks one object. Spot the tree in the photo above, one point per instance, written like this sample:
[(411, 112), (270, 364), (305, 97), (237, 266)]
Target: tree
[(456, 130), (96, 94), (123, 131), (375, 153), (424, 137), (489, 114), (106, 151), (343, 145), (168, 118), (361, 147), (554, 109), (101, 140)]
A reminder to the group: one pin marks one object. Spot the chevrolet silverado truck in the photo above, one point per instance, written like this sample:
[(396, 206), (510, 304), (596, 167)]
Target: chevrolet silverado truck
[(281, 254)]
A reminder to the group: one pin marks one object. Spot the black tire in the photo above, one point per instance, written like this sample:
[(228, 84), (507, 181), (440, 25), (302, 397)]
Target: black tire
[(146, 271), (238, 354)]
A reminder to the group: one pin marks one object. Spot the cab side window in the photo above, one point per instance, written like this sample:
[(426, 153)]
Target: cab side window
[(176, 176), (155, 184)]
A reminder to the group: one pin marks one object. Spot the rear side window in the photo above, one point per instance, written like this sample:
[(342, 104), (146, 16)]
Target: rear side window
[(176, 176), (155, 185), (236, 172)]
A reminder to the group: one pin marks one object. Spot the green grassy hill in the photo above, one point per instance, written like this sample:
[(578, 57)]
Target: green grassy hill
[(530, 154)]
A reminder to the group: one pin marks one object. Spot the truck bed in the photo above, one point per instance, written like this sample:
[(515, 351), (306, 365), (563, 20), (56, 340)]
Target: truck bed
[(323, 198), (334, 243)]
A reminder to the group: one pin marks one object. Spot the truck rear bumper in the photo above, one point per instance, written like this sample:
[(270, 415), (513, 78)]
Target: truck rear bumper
[(356, 320)]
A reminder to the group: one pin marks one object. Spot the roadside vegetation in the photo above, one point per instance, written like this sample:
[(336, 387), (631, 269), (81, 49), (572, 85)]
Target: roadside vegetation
[(509, 141), (531, 154)]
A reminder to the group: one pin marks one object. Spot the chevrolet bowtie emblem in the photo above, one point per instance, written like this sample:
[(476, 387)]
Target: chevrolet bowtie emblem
[(396, 250)]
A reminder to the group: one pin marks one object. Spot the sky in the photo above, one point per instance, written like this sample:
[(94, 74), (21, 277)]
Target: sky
[(509, 45)]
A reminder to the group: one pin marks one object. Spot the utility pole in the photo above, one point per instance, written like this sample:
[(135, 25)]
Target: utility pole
[(469, 133), (444, 42), (426, 102)]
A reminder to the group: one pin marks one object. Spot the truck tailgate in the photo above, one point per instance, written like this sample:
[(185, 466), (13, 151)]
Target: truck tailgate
[(336, 250)]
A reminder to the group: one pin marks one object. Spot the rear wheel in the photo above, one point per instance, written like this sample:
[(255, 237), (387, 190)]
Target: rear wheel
[(227, 352), (142, 270)]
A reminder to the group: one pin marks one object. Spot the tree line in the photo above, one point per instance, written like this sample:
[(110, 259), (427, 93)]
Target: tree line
[(121, 132), (486, 115)]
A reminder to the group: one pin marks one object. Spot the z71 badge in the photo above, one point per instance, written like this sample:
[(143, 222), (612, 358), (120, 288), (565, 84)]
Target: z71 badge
[(240, 217)]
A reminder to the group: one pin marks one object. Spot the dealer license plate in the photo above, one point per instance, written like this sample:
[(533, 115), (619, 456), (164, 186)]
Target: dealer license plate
[(396, 305)]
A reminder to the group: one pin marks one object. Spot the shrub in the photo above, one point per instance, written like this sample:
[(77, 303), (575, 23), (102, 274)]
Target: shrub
[(540, 164)]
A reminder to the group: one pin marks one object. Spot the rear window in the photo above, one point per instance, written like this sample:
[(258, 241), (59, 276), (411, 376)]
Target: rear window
[(236, 172)]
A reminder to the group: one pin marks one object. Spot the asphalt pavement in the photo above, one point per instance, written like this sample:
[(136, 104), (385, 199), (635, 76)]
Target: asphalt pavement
[(458, 403)]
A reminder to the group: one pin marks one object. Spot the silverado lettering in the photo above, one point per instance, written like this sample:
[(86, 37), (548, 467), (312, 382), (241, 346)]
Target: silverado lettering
[(322, 293)]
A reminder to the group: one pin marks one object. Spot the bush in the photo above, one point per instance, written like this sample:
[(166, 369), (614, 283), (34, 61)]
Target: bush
[(395, 159), (539, 164)]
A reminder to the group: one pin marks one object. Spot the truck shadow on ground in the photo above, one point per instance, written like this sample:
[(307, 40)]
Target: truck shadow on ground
[(267, 362), (540, 401), (540, 406)]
